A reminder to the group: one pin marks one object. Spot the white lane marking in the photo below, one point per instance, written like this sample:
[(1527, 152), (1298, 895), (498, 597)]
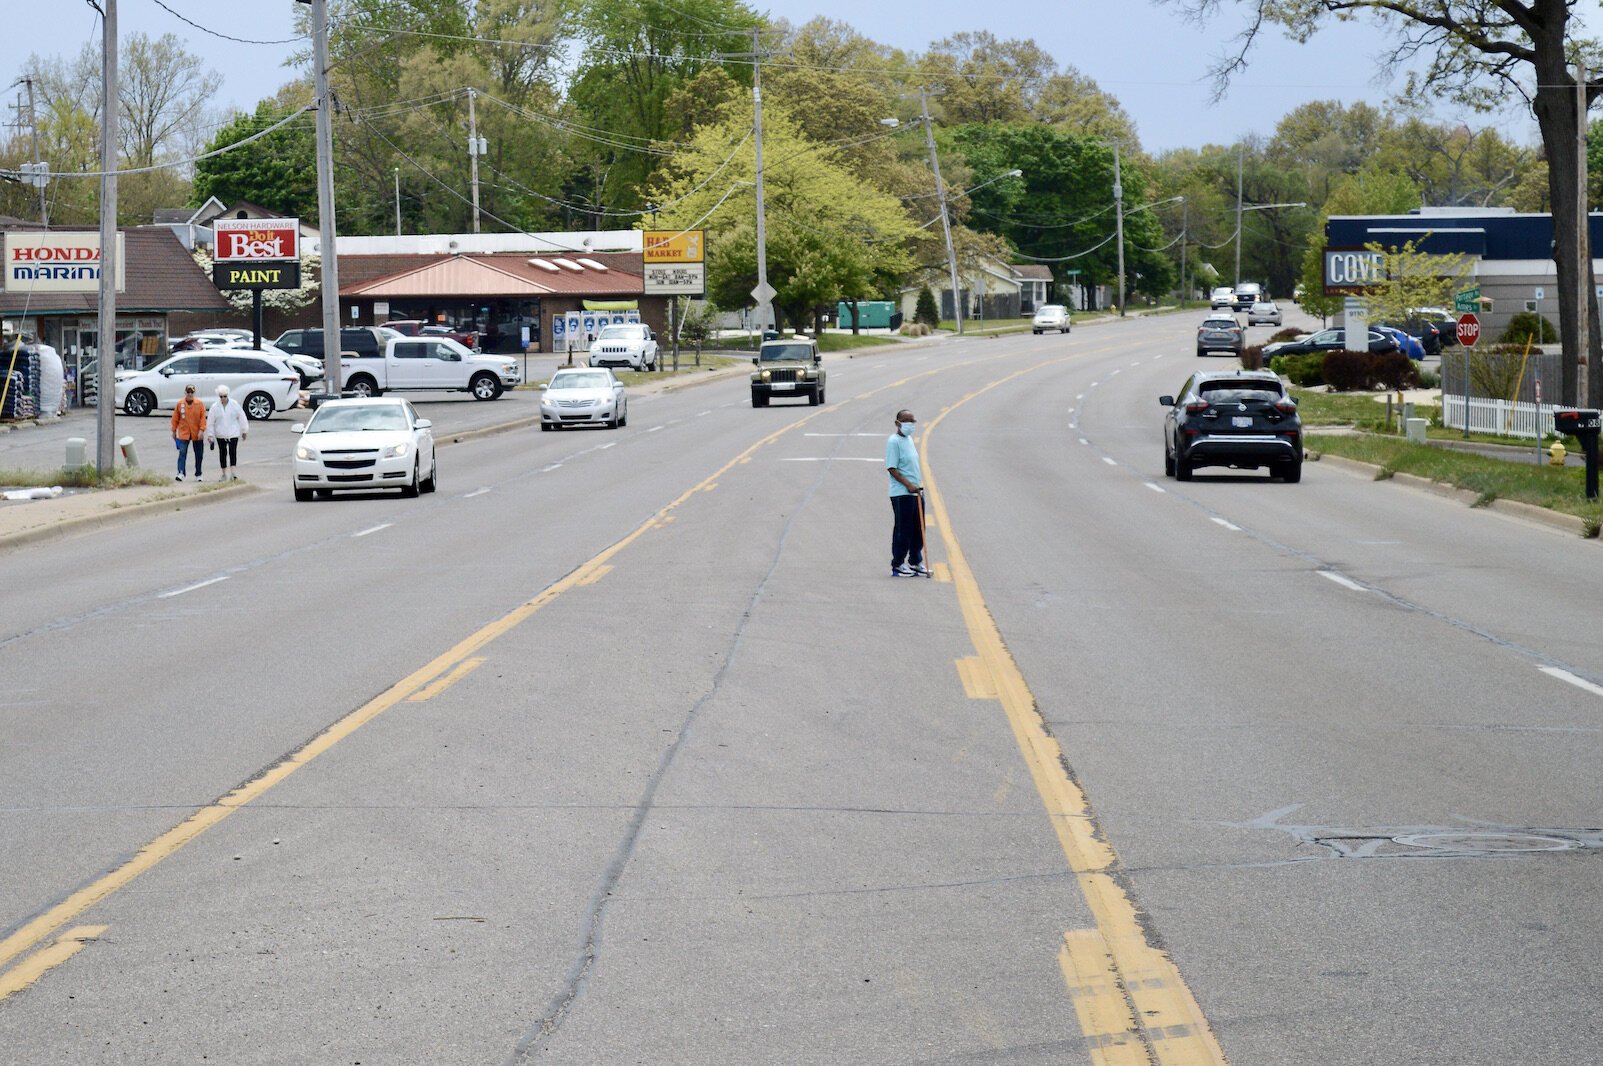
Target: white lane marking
[(192, 588), (1110, 462), (832, 459), (653, 429), (1344, 582), (1570, 679), (604, 447), (375, 529), (1094, 384), (1114, 374), (703, 414), (1154, 486), (548, 469), (1235, 528), (1079, 396), (1070, 411), (480, 492), (1084, 441), (1136, 363), (723, 405)]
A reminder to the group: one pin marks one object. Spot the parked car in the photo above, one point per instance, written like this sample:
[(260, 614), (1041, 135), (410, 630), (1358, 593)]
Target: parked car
[(1223, 298), (262, 383), (1221, 332), (366, 342), (363, 444), (1445, 321), (417, 327), (1234, 418), (215, 337), (583, 397), (1051, 316), (1264, 313), (1328, 340), (423, 364), (1406, 344), (630, 344), (787, 368)]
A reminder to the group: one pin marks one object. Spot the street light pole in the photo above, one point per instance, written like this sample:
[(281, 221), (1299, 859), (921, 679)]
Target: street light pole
[(1118, 214), (330, 271), (106, 347), (1185, 226), (946, 218), (1238, 221), (764, 292)]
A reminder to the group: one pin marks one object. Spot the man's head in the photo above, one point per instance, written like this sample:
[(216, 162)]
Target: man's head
[(905, 422), (222, 392), (189, 392)]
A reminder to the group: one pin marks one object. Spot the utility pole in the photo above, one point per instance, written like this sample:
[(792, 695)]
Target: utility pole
[(946, 218), (106, 325), (1238, 221), (397, 201), (325, 200), (1185, 227), (1118, 215), (475, 149), (1583, 254), (33, 122), (763, 293)]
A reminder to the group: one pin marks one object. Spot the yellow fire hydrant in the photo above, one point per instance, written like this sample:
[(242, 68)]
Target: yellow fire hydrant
[(1555, 454)]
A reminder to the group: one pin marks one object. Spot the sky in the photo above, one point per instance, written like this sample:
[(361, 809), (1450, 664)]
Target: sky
[(1147, 55)]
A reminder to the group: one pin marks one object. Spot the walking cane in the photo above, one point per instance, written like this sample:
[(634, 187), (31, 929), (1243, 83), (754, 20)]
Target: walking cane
[(923, 549)]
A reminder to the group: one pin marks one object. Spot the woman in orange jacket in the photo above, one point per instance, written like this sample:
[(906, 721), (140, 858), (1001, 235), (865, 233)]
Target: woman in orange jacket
[(189, 430)]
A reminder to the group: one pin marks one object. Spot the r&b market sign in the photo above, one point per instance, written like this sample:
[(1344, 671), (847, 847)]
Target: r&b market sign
[(56, 262)]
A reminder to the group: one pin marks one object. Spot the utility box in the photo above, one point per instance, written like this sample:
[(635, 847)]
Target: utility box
[(873, 314), (1414, 428)]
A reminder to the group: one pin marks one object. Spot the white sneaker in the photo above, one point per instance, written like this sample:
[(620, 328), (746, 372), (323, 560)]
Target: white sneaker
[(178, 477), (199, 478)]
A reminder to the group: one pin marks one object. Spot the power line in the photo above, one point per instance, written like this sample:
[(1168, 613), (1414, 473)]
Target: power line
[(224, 36)]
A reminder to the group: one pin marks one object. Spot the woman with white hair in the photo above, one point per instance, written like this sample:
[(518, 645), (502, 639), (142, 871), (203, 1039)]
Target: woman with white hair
[(226, 426)]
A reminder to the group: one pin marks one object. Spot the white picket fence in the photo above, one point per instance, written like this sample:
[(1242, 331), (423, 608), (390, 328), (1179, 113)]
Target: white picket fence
[(1499, 417)]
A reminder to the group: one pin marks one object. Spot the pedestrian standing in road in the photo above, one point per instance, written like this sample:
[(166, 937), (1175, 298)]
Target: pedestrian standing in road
[(225, 428), (189, 431), (907, 504)]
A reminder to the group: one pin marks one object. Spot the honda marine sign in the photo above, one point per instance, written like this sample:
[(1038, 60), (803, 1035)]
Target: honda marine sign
[(56, 261)]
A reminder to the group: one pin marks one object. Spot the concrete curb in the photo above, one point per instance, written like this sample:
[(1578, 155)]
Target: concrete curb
[(1512, 508), (114, 515)]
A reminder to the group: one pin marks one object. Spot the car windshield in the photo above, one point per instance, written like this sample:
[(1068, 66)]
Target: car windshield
[(787, 353), (348, 419), (1050, 309), (579, 381), (1217, 391), (621, 333)]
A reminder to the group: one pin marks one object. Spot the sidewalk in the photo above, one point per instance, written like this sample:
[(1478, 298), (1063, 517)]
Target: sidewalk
[(30, 521)]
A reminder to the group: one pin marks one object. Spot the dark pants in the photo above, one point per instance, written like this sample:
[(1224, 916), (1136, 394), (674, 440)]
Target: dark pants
[(183, 455), (227, 452), (907, 535)]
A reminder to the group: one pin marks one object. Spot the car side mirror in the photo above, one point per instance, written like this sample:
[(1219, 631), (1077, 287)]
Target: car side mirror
[(1166, 401), (817, 358), (424, 423), (543, 386), (755, 361), (299, 427)]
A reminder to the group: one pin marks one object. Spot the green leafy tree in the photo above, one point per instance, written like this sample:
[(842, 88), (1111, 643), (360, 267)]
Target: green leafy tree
[(1411, 279), (279, 171), (1369, 192), (926, 311)]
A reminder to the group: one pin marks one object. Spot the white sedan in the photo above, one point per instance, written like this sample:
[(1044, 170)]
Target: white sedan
[(583, 397), (1050, 316), (364, 444)]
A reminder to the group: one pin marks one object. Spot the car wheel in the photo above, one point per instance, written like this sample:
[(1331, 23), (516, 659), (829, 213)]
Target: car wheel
[(485, 386), (140, 403), (1182, 469), (258, 406), (431, 482), (1168, 463), (363, 386), (1036, 332), (303, 495), (1201, 352), (545, 427), (623, 416), (612, 423), (1292, 471), (410, 489), (1065, 329), (821, 398), (813, 397), (759, 401)]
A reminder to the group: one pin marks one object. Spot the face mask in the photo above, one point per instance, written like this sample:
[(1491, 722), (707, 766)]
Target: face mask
[(907, 428)]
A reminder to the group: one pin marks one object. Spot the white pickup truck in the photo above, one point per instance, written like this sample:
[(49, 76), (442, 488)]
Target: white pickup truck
[(417, 364)]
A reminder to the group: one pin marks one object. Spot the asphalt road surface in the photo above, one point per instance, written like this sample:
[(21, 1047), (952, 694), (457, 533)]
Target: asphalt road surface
[(624, 748)]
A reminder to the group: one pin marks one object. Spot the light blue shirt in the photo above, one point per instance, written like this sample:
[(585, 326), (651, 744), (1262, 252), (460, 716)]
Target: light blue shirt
[(901, 455)]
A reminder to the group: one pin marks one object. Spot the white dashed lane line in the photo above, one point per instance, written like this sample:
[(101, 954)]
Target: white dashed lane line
[(1344, 582), (1570, 679), (479, 492), (549, 467), (653, 429), (1154, 486), (1110, 462), (1234, 528), (191, 588), (373, 529)]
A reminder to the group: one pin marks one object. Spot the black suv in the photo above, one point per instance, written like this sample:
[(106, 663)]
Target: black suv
[(1240, 418), (361, 341)]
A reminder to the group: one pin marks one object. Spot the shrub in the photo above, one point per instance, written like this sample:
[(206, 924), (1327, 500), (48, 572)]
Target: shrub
[(1304, 370), (1284, 335), (1394, 370), (1429, 379), (1361, 371), (1528, 326), (916, 329), (1252, 357), (926, 311)]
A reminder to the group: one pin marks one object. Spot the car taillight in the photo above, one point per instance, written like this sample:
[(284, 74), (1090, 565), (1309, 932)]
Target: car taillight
[(1196, 407), (1286, 405)]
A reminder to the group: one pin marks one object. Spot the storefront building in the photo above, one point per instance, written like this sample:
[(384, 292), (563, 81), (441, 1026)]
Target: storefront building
[(160, 279)]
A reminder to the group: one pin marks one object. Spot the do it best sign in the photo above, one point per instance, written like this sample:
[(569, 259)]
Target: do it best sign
[(257, 238)]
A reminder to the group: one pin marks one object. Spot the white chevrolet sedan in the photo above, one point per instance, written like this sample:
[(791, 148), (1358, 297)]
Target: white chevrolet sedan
[(1050, 316), (583, 397), (363, 444)]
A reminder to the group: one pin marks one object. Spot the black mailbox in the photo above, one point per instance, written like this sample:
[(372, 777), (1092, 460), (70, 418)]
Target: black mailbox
[(1583, 424)]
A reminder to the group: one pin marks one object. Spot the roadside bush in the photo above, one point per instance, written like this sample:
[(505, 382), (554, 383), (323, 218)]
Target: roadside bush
[(1252, 357), (1284, 335), (1362, 371), (1429, 379), (1529, 326), (1304, 370), (925, 311), (916, 329)]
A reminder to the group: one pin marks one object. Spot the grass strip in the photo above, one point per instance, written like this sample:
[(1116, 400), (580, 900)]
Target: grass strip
[(121, 477)]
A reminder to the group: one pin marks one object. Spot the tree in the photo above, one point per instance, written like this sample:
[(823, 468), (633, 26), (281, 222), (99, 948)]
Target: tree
[(1475, 50), (984, 79), (1412, 279), (278, 171), (1369, 192)]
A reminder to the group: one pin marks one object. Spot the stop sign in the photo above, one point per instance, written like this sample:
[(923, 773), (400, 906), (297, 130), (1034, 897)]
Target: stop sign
[(1469, 329)]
